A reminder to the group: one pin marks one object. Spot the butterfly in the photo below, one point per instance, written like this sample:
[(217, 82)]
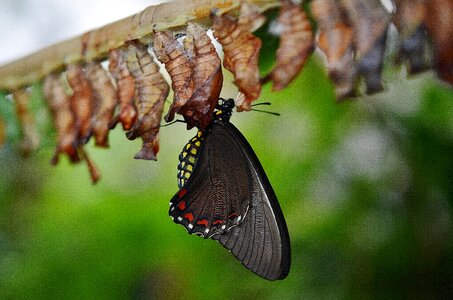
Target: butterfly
[(225, 195)]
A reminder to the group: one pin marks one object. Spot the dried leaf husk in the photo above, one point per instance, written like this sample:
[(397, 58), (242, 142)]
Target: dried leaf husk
[(63, 118), (413, 49), (408, 19), (206, 75), (125, 90), (439, 23), (30, 138), (106, 101), (296, 44), (370, 65), (82, 101), (241, 50), (369, 20), (409, 15), (171, 53), (335, 40), (151, 90)]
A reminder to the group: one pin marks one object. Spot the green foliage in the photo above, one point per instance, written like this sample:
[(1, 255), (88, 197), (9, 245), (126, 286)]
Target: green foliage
[(366, 188)]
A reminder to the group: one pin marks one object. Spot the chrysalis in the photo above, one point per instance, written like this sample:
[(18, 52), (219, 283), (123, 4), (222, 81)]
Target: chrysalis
[(151, 90), (125, 88), (169, 52), (63, 118), (408, 20), (106, 102), (439, 23), (241, 50), (296, 44), (370, 22), (207, 77), (335, 39), (30, 138), (82, 101)]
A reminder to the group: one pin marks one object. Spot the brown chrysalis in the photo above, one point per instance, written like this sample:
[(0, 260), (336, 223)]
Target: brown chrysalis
[(296, 44), (151, 90), (169, 52), (241, 50), (408, 19), (370, 21), (335, 39), (30, 137), (125, 88), (439, 23), (106, 101), (82, 101), (206, 75), (63, 118)]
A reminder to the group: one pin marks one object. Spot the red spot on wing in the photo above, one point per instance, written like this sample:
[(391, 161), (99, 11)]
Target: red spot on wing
[(217, 222), (182, 192), (233, 215), (189, 217), (182, 205), (203, 222)]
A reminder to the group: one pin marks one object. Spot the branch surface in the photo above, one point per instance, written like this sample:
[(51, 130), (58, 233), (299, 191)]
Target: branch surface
[(95, 44)]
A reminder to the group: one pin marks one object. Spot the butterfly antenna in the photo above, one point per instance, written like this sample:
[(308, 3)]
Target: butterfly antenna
[(261, 103), (267, 112)]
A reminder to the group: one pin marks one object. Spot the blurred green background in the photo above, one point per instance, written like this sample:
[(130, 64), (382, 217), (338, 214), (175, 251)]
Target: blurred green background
[(366, 187)]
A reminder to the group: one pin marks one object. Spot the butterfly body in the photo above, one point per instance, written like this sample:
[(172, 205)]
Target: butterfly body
[(225, 195)]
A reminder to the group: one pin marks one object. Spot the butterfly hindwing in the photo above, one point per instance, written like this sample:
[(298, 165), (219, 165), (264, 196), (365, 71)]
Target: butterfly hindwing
[(261, 241)]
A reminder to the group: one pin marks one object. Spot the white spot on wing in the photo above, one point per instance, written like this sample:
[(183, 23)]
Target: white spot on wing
[(179, 219), (190, 226), (223, 227)]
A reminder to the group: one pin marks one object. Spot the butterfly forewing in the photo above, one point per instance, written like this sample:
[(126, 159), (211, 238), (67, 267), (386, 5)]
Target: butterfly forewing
[(217, 195)]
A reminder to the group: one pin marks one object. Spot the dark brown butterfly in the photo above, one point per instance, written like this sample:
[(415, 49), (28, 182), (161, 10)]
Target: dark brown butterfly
[(225, 195)]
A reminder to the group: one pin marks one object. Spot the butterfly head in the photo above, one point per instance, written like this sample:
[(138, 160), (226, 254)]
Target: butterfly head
[(223, 109)]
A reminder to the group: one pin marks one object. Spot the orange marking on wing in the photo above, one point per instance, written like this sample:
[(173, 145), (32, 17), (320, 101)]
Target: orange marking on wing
[(188, 216), (203, 222)]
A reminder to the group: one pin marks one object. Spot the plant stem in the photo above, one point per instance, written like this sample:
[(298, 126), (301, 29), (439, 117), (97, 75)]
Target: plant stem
[(95, 44)]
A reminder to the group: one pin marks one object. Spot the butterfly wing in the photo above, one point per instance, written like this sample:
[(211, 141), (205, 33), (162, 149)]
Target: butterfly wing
[(216, 197), (229, 198), (261, 241)]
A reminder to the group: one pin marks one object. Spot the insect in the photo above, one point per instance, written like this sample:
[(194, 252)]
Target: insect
[(225, 195)]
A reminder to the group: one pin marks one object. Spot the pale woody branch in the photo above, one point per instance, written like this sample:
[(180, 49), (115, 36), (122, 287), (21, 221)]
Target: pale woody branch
[(95, 44)]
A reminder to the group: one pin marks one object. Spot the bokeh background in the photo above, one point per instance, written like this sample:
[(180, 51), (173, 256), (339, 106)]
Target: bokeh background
[(366, 187)]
